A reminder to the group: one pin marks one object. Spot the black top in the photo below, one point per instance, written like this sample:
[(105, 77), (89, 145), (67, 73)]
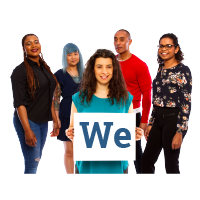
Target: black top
[(39, 109), (172, 88), (68, 88)]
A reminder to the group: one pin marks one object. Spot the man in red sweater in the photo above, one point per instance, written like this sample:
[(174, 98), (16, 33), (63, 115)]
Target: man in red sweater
[(138, 82)]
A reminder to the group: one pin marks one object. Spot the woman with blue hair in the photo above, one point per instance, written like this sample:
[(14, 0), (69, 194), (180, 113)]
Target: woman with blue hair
[(69, 81)]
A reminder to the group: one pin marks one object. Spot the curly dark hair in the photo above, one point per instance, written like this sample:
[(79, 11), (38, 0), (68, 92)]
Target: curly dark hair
[(179, 55), (117, 87), (31, 76)]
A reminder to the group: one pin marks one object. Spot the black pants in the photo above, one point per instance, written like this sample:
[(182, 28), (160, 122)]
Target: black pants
[(137, 162), (160, 136)]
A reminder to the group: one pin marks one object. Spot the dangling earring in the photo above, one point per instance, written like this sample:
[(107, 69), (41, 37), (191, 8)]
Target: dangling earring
[(41, 55)]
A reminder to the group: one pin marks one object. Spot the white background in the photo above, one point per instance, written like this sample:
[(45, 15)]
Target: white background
[(92, 25)]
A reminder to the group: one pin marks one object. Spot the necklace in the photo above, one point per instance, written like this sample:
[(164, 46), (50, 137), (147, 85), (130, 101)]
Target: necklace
[(75, 77), (72, 75)]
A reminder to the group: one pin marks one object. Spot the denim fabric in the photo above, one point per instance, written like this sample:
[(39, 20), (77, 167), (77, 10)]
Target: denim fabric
[(32, 155)]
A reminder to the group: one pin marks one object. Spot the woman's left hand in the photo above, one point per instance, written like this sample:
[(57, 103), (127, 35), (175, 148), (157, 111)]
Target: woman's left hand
[(56, 130), (138, 133), (177, 141)]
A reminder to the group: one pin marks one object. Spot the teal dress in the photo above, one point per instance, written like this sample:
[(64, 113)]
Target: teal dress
[(101, 105)]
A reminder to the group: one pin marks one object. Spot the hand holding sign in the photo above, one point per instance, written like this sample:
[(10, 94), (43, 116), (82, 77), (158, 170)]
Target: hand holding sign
[(138, 133), (70, 133)]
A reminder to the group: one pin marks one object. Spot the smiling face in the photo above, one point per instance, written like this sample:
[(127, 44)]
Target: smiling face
[(167, 54), (73, 58), (103, 70), (32, 46), (121, 42)]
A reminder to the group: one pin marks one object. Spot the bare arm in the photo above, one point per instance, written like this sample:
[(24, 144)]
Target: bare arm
[(55, 131), (53, 112), (56, 101), (130, 108), (30, 137)]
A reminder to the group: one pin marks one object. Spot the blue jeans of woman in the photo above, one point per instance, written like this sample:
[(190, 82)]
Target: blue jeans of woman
[(32, 155)]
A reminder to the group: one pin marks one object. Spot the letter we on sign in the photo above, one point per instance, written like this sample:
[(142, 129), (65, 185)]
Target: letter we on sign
[(104, 136)]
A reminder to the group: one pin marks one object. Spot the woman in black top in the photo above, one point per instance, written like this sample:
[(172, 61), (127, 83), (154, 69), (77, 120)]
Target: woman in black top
[(171, 107), (33, 85)]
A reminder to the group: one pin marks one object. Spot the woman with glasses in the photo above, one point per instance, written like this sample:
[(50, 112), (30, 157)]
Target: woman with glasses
[(168, 123), (102, 90), (68, 83)]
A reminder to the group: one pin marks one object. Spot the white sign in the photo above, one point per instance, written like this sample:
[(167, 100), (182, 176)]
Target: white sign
[(104, 136)]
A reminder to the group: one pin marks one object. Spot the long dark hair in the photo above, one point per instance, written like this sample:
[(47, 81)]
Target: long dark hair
[(179, 55), (117, 88), (31, 76)]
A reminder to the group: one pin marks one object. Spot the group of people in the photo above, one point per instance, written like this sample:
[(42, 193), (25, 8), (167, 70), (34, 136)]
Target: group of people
[(116, 83)]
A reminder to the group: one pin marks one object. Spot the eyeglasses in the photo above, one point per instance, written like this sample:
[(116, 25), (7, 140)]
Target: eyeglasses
[(167, 46)]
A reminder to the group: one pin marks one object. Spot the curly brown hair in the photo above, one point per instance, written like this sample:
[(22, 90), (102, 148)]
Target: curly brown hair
[(179, 55), (31, 76), (117, 87)]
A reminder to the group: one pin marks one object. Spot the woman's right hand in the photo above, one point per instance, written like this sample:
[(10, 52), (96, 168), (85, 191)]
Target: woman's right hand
[(70, 133), (146, 133), (30, 138), (139, 132)]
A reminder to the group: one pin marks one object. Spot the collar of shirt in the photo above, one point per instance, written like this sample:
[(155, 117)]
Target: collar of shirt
[(33, 64)]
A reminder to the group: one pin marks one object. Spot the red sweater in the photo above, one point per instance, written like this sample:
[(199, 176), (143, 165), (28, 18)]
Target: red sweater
[(138, 82)]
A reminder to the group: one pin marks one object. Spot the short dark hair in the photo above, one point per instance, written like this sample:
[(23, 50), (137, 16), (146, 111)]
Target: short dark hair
[(129, 35)]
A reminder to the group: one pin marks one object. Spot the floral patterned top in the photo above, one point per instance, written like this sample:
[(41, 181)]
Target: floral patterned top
[(172, 88)]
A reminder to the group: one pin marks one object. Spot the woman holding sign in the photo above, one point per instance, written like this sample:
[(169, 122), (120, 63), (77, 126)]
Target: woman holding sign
[(102, 90), (168, 124)]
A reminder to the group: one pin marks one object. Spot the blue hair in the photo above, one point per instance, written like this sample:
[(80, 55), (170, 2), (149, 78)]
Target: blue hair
[(70, 48)]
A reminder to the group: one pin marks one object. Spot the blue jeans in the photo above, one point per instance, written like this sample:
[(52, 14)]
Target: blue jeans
[(32, 155)]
